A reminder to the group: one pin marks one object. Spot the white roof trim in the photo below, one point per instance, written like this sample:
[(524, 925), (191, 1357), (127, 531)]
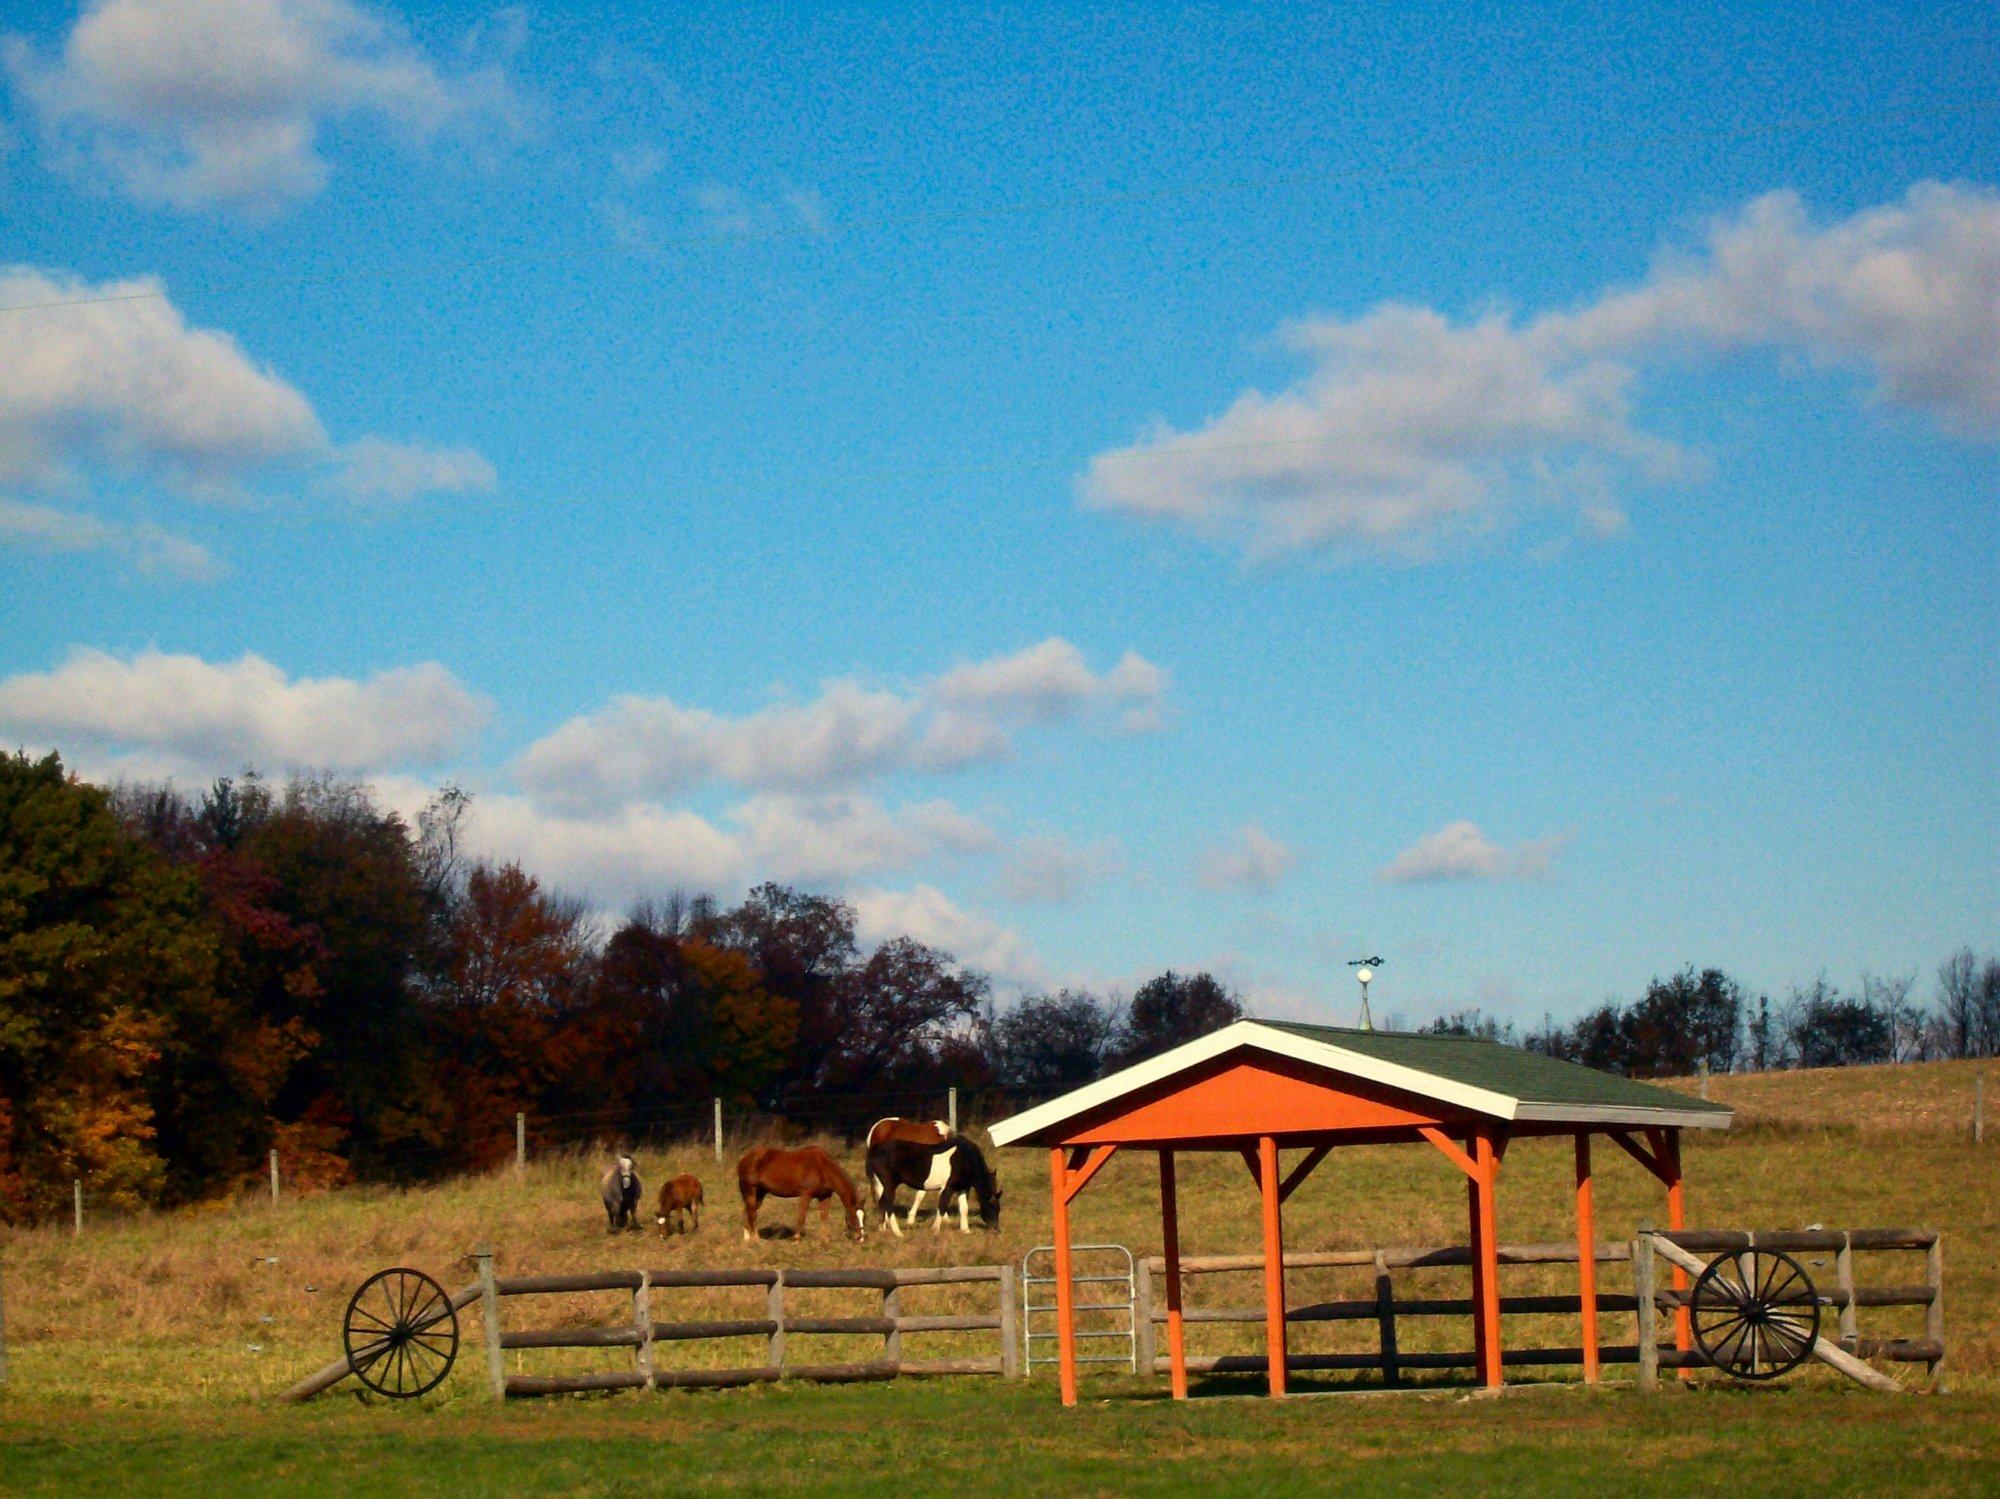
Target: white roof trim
[(1250, 1033)]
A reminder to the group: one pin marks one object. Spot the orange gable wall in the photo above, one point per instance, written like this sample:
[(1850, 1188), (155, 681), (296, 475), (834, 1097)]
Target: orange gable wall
[(1261, 1095)]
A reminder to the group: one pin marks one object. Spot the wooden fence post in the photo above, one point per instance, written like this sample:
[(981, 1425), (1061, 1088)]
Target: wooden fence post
[(892, 1308), (520, 1143), (489, 1306), (642, 1319), (1843, 1278), (1385, 1319), (1644, 1278), (274, 1178), (1142, 1317), (951, 1109), (718, 1131), (774, 1305), (1010, 1331), (1934, 1313), (76, 1193)]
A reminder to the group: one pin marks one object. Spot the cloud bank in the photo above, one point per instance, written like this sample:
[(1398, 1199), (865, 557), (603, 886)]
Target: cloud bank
[(1413, 432)]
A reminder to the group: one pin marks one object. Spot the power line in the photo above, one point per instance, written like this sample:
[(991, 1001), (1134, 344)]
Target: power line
[(1028, 208)]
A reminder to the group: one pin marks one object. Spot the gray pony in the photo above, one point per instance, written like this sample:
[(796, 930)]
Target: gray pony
[(620, 1190)]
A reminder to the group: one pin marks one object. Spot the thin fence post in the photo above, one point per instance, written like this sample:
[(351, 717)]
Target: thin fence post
[(1934, 1313), (774, 1305), (1843, 1276), (642, 1317), (76, 1193), (1385, 1319), (520, 1143), (489, 1306), (1643, 1278), (1704, 1077), (1142, 1317), (274, 1178), (951, 1109), (892, 1308), (1010, 1332), (718, 1131)]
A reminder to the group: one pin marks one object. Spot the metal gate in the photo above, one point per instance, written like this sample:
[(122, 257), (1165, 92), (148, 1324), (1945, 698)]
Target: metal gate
[(1102, 1298)]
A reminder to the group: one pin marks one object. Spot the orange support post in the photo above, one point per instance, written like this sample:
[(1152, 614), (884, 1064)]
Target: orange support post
[(1668, 1146), (1586, 1256), (1487, 1253), (1065, 1292), (1478, 1264), (1274, 1263), (1170, 1233)]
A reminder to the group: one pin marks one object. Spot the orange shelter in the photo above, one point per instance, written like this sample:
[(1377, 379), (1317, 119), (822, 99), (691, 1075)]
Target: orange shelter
[(1260, 1088)]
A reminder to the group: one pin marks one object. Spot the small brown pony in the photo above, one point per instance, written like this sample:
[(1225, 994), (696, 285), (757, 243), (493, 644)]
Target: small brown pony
[(809, 1174), (680, 1205)]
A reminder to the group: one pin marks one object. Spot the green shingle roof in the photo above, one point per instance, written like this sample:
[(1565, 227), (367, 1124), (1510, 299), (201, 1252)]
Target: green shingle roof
[(1477, 1063)]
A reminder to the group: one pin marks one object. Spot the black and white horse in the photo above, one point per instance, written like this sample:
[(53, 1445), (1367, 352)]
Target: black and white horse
[(952, 1168), (620, 1190)]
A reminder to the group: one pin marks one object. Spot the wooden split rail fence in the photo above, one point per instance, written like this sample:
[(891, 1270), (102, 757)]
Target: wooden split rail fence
[(645, 1335), (1386, 1309), (1684, 1250)]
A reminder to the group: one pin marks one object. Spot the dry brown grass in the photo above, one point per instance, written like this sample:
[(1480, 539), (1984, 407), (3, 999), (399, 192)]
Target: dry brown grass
[(235, 1303)]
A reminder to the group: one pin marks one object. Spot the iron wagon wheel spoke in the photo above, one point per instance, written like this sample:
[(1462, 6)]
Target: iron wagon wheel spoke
[(1790, 1335), (421, 1315), (403, 1381), (404, 1291), (1715, 1332), (1775, 1292), (365, 1357), (362, 1311)]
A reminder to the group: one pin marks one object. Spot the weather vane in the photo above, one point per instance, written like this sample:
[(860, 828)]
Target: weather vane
[(1364, 969)]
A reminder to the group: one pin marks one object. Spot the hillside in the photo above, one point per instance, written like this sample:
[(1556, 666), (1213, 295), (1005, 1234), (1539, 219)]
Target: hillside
[(228, 1303)]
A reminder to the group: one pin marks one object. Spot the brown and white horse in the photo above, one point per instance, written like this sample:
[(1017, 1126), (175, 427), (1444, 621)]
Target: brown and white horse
[(954, 1170), (680, 1205), (808, 1173)]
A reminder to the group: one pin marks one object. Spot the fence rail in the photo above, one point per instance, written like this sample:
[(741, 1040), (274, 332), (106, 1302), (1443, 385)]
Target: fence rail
[(1385, 1308), (645, 1335)]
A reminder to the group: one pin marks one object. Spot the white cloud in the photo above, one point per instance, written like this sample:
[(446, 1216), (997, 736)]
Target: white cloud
[(128, 385), (636, 748), (198, 103), (613, 859), (197, 718), (830, 838), (116, 385), (1413, 431), (927, 915), (1460, 851), (372, 470), (147, 548), (1248, 859), (1048, 870)]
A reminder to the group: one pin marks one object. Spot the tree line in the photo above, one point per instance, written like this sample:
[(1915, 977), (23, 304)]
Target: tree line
[(1699, 1019), (189, 981)]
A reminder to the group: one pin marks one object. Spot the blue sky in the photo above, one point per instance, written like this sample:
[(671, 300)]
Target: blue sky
[(1100, 491)]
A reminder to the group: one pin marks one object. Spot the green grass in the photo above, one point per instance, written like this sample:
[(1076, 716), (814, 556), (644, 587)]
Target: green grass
[(988, 1438), (146, 1354)]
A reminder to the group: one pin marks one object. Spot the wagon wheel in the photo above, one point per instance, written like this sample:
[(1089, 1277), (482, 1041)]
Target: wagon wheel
[(401, 1333), (1756, 1314)]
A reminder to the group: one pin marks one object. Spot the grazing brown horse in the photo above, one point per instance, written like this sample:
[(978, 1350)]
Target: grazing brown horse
[(931, 1132), (680, 1205), (809, 1174)]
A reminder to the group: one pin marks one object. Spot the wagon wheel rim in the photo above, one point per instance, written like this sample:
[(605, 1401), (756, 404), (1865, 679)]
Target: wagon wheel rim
[(401, 1333), (1755, 1314)]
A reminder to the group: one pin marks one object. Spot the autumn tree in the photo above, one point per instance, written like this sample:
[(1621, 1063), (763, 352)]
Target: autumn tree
[(1174, 1008), (101, 942)]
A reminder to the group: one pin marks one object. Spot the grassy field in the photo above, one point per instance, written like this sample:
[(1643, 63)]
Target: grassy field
[(146, 1354)]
